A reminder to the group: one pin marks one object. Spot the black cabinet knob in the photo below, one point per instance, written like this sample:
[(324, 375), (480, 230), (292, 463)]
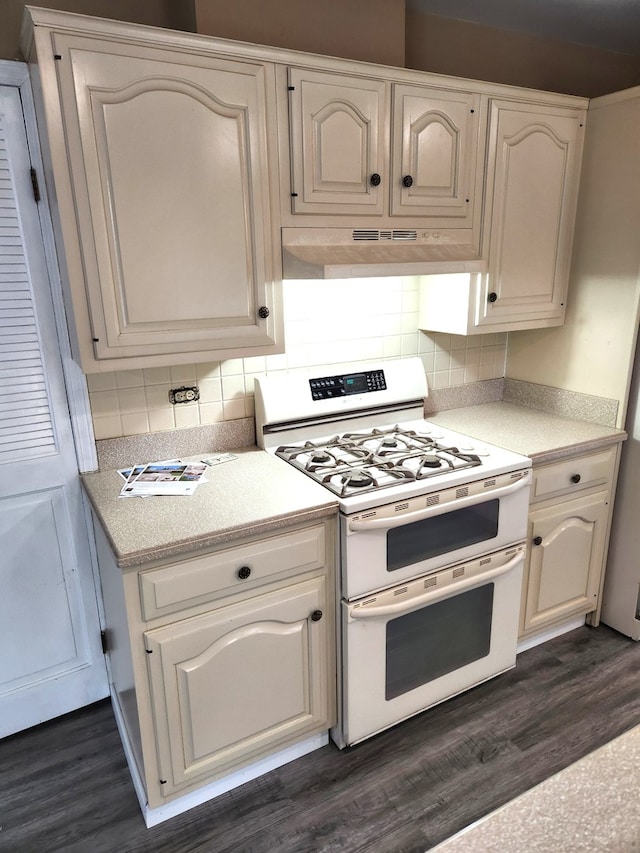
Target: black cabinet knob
[(244, 572), (576, 478), (375, 180), (316, 616), (263, 312), (407, 181), (492, 297), (537, 540)]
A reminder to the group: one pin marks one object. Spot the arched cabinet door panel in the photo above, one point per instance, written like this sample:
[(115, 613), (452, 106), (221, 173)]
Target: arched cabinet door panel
[(436, 172), (233, 684), (339, 144), (163, 182), (532, 191), (566, 552)]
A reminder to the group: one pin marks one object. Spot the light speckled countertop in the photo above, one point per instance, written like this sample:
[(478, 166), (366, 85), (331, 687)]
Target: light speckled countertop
[(253, 494), (541, 436), (592, 805)]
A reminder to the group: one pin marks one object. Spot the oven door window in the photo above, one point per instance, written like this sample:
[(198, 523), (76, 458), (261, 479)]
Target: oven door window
[(435, 640), (431, 537)]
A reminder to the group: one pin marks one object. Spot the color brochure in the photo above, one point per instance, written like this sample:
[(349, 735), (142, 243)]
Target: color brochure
[(169, 477)]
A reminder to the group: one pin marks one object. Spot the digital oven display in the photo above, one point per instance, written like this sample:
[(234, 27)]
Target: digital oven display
[(327, 387)]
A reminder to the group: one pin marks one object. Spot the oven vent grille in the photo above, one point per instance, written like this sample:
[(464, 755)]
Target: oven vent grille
[(458, 573), (432, 500), (400, 591), (486, 561), (463, 492), (489, 483), (371, 514), (369, 601), (401, 507), (430, 582), (372, 234)]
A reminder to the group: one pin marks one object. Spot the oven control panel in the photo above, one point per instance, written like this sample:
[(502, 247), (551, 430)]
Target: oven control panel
[(350, 383)]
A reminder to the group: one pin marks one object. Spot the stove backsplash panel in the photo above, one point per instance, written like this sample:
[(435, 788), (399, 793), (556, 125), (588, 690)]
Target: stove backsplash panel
[(326, 323)]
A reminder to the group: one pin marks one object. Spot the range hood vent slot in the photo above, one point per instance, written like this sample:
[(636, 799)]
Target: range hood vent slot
[(365, 234)]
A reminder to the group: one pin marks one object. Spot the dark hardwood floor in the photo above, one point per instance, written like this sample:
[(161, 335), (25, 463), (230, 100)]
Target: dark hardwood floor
[(64, 786)]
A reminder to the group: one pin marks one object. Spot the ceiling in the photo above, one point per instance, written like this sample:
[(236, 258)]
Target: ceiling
[(607, 24)]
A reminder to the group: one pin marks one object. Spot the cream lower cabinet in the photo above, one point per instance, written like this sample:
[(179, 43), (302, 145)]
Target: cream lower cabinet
[(221, 660), (236, 682), (164, 186), (569, 523)]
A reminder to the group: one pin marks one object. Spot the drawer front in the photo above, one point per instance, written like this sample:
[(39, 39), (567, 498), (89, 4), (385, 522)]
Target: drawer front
[(572, 475), (193, 582)]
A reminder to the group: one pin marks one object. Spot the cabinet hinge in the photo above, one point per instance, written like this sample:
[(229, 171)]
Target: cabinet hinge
[(57, 56), (35, 184), (104, 642), (291, 88)]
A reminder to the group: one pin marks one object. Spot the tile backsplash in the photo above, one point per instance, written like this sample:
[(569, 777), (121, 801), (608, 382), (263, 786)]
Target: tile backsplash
[(328, 324)]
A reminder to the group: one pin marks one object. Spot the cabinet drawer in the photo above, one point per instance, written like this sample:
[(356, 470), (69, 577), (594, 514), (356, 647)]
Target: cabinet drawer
[(575, 474), (193, 582)]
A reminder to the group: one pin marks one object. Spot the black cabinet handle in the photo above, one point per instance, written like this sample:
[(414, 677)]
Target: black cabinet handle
[(375, 180), (316, 616), (407, 181), (576, 478), (492, 297), (263, 312), (244, 572), (537, 540)]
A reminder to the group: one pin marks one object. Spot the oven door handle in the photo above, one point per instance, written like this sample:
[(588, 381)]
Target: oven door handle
[(436, 509), (411, 604)]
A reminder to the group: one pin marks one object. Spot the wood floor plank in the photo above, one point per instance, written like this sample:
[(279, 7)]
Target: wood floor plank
[(65, 787)]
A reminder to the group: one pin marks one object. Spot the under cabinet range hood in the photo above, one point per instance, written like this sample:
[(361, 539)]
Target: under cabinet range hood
[(315, 252)]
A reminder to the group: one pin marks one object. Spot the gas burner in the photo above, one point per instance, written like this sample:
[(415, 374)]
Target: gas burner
[(356, 477), (430, 461)]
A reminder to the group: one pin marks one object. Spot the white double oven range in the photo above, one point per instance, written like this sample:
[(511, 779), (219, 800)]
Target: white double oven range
[(432, 528)]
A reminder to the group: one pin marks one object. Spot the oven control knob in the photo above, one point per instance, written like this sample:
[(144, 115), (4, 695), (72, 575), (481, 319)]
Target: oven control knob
[(537, 540), (316, 616), (576, 478), (244, 572)]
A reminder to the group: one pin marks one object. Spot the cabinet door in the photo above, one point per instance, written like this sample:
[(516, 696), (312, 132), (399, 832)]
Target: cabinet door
[(435, 154), (339, 143), (239, 682), (167, 231), (532, 181), (565, 559)]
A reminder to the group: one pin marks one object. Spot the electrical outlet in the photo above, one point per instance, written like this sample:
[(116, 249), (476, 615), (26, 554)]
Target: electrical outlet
[(186, 394)]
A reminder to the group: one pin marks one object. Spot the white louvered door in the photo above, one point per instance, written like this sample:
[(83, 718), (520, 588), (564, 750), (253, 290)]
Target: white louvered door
[(50, 654)]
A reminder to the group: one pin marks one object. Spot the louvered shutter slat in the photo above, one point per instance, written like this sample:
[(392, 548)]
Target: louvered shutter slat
[(26, 429)]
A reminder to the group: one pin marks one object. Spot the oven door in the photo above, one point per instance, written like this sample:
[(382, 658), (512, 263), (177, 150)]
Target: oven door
[(396, 542), (410, 647)]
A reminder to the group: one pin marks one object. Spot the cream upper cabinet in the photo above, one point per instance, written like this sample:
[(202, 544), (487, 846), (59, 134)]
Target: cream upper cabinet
[(165, 191), (339, 143), (434, 157), (532, 190), (532, 181), (363, 146)]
